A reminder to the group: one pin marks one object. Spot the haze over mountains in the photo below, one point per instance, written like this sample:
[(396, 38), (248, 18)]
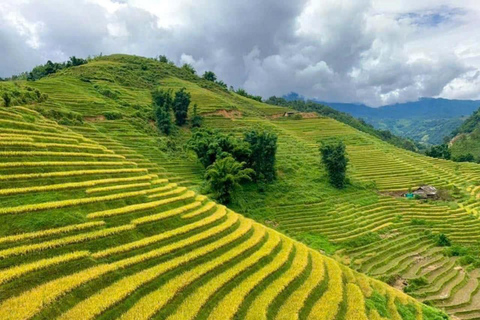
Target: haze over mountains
[(427, 120)]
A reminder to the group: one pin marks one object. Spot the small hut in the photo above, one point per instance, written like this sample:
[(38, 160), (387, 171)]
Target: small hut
[(426, 192), (289, 113)]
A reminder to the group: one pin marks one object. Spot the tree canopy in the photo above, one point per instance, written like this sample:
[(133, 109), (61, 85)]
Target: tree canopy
[(162, 102), (180, 106), (441, 151), (263, 146), (210, 76), (51, 67), (225, 175), (335, 161)]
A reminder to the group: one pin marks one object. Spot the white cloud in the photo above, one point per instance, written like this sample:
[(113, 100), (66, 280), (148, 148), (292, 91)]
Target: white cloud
[(371, 51)]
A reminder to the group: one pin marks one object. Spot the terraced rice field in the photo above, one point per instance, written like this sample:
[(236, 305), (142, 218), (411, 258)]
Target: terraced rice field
[(398, 233), (87, 232)]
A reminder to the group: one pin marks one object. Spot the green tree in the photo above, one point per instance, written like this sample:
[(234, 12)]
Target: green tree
[(335, 161), (263, 145), (162, 101), (74, 61), (163, 58), (197, 119), (163, 120), (180, 106), (210, 76), (221, 84), (441, 151), (443, 241), (6, 99), (225, 175), (464, 158), (210, 145), (162, 98), (189, 68)]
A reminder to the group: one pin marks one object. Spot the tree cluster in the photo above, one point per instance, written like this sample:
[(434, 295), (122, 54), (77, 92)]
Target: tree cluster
[(255, 153), (210, 76), (51, 67), (442, 151), (335, 161), (165, 102), (244, 93)]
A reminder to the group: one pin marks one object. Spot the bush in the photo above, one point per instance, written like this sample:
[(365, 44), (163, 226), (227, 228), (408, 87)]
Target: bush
[(6, 99), (335, 161), (112, 115), (464, 158), (414, 284), (443, 241), (188, 68)]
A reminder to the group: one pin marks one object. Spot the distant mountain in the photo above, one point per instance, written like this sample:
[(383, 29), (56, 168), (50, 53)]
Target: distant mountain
[(427, 120)]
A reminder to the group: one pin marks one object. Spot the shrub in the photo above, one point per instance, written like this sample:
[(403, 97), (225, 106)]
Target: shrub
[(443, 241), (414, 284), (464, 158), (189, 68), (112, 115), (6, 99)]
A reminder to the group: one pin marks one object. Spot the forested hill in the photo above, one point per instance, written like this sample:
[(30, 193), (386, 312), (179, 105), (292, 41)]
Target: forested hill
[(427, 120), (466, 138)]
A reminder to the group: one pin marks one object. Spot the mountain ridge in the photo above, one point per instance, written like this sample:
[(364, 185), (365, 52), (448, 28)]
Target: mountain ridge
[(427, 120)]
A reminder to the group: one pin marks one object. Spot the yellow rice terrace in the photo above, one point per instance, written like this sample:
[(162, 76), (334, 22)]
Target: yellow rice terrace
[(114, 206)]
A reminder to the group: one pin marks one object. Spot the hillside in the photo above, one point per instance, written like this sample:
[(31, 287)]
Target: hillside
[(427, 120), (103, 104), (89, 232), (466, 137)]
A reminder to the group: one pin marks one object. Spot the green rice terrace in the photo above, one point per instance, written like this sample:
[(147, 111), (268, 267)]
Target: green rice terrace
[(104, 217)]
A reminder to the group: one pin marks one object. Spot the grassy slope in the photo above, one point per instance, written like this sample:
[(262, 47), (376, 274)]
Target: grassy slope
[(466, 137), (300, 203), (82, 237)]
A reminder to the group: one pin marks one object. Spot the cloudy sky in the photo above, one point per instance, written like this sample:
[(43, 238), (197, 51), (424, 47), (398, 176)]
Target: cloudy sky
[(371, 51)]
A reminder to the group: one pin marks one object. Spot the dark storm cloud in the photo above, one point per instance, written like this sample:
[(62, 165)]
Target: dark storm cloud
[(343, 50)]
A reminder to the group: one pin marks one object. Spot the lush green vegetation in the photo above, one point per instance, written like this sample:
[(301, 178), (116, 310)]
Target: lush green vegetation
[(335, 161), (309, 106), (89, 233), (225, 175), (364, 225)]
